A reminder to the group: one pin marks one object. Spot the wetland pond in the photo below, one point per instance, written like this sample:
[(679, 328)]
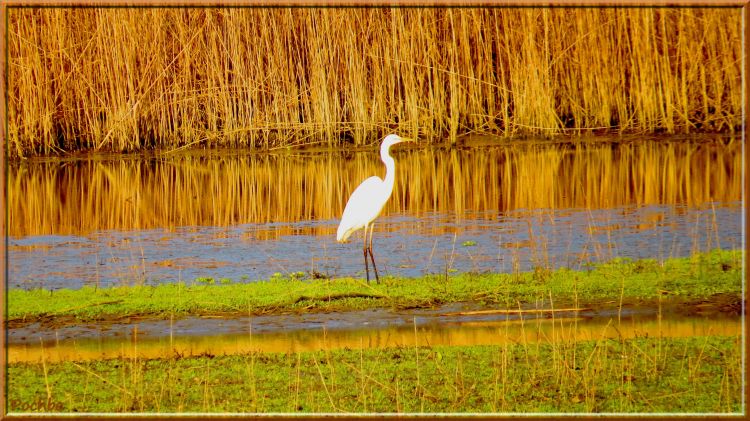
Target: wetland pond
[(353, 330), (240, 216)]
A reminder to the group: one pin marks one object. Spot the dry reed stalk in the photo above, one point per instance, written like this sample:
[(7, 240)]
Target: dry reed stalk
[(128, 79)]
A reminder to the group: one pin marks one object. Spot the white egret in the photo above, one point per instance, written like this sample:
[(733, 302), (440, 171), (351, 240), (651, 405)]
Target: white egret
[(368, 200)]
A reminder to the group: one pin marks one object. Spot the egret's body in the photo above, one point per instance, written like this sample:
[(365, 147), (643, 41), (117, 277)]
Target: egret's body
[(368, 200), (364, 205)]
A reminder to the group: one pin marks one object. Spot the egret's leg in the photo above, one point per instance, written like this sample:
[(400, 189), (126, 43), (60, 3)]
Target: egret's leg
[(364, 252), (375, 268)]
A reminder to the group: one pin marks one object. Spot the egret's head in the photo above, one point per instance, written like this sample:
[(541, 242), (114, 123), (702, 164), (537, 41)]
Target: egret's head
[(393, 139)]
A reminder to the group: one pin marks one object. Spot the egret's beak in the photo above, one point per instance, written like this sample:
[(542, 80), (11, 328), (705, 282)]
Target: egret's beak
[(406, 139)]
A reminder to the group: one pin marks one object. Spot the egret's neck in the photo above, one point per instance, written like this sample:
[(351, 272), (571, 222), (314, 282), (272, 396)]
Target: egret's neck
[(390, 167)]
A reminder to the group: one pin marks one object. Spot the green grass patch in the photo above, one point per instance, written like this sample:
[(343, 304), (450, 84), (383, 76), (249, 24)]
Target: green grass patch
[(644, 375), (690, 278)]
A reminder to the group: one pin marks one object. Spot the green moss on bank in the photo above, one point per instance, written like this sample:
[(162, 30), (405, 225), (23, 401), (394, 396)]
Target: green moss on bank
[(690, 278)]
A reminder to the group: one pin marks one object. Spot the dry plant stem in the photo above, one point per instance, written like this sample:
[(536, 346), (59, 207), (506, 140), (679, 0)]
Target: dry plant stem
[(130, 79)]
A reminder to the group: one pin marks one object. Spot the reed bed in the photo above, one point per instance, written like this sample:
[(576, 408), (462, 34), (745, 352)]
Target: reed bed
[(83, 196), (126, 79)]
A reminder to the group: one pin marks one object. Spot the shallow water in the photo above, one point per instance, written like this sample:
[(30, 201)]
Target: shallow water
[(241, 216), (404, 245), (354, 330)]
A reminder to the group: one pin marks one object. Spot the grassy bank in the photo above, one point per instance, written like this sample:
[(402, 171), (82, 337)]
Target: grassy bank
[(620, 282), (648, 375), (126, 79)]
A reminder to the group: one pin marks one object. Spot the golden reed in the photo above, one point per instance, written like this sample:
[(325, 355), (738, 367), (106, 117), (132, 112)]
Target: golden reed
[(125, 79)]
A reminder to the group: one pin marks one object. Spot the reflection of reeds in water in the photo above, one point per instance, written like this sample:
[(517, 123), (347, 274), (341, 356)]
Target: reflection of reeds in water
[(227, 189), (127, 79), (533, 328)]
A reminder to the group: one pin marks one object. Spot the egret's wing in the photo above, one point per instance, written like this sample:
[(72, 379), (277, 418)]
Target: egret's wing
[(363, 206)]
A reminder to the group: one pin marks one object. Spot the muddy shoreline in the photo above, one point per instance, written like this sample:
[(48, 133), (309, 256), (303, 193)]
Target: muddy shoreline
[(50, 328)]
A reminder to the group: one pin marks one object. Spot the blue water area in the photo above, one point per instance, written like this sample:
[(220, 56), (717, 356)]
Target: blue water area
[(406, 245)]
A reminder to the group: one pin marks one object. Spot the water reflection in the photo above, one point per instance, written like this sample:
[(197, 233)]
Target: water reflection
[(489, 332), (483, 208), (221, 189)]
